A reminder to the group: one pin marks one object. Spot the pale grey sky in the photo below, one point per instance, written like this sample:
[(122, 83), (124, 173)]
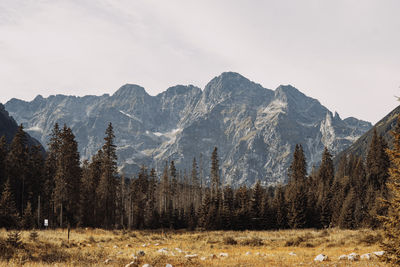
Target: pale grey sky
[(345, 53)]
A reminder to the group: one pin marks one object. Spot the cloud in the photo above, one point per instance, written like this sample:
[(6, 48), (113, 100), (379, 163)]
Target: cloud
[(336, 51)]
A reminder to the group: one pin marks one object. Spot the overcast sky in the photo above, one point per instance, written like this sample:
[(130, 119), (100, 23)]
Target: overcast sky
[(345, 53)]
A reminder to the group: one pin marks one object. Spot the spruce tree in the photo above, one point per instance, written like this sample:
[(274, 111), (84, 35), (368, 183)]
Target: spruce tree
[(17, 168), (215, 179), (3, 158), (256, 202), (391, 222), (296, 194), (28, 220), (106, 190), (67, 179), (9, 216)]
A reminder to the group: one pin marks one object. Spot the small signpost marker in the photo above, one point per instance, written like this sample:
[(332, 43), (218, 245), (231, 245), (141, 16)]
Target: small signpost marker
[(46, 223)]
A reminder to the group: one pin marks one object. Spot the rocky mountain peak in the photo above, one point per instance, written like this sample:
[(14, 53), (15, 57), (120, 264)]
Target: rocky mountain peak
[(129, 90), (255, 129)]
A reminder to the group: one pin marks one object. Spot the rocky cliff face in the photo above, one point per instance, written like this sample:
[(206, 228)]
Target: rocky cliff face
[(255, 129)]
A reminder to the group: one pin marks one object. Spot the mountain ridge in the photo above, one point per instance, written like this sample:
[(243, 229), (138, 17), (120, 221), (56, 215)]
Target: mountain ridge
[(254, 128)]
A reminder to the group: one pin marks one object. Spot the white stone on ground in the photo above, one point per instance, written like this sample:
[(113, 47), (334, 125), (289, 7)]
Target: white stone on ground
[(147, 265), (203, 258), (342, 257), (162, 250), (353, 257), (168, 265), (366, 256), (321, 257), (223, 254), (292, 254), (379, 253)]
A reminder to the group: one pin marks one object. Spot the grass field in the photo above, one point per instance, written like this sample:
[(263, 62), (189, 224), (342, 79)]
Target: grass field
[(95, 247)]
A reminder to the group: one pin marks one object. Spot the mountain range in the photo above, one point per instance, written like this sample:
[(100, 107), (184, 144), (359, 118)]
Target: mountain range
[(254, 128)]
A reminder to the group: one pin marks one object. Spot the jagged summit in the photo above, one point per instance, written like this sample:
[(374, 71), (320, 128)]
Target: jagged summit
[(129, 90), (255, 128)]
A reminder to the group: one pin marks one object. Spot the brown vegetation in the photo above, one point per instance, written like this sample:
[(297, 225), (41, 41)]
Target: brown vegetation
[(92, 247)]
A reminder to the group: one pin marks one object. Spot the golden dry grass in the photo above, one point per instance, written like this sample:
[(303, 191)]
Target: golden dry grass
[(91, 247)]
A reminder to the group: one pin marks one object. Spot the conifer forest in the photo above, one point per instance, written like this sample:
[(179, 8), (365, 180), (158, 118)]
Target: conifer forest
[(56, 186)]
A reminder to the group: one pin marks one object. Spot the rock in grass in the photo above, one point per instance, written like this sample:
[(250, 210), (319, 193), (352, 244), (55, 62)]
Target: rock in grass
[(203, 258), (292, 254), (147, 265), (321, 257), (168, 265), (163, 250), (366, 256), (342, 257), (223, 254), (353, 257), (379, 253), (107, 261)]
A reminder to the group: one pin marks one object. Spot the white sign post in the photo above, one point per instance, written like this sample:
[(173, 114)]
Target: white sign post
[(46, 223)]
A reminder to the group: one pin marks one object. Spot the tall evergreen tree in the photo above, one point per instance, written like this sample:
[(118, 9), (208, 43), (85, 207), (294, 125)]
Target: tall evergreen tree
[(17, 168), (215, 179), (106, 190), (296, 194), (3, 162), (67, 179)]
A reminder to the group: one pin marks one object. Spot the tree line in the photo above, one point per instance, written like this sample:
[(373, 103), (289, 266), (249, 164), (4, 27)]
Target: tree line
[(67, 192)]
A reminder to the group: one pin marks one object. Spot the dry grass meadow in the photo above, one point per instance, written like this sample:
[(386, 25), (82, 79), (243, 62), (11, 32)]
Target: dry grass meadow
[(95, 247)]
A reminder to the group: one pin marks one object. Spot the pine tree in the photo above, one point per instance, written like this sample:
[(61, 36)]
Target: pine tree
[(325, 180), (346, 219), (28, 221), (106, 190), (228, 209), (87, 197), (67, 179), (53, 153), (9, 216), (256, 205), (3, 158), (297, 197), (17, 168), (280, 207), (391, 222), (215, 179)]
